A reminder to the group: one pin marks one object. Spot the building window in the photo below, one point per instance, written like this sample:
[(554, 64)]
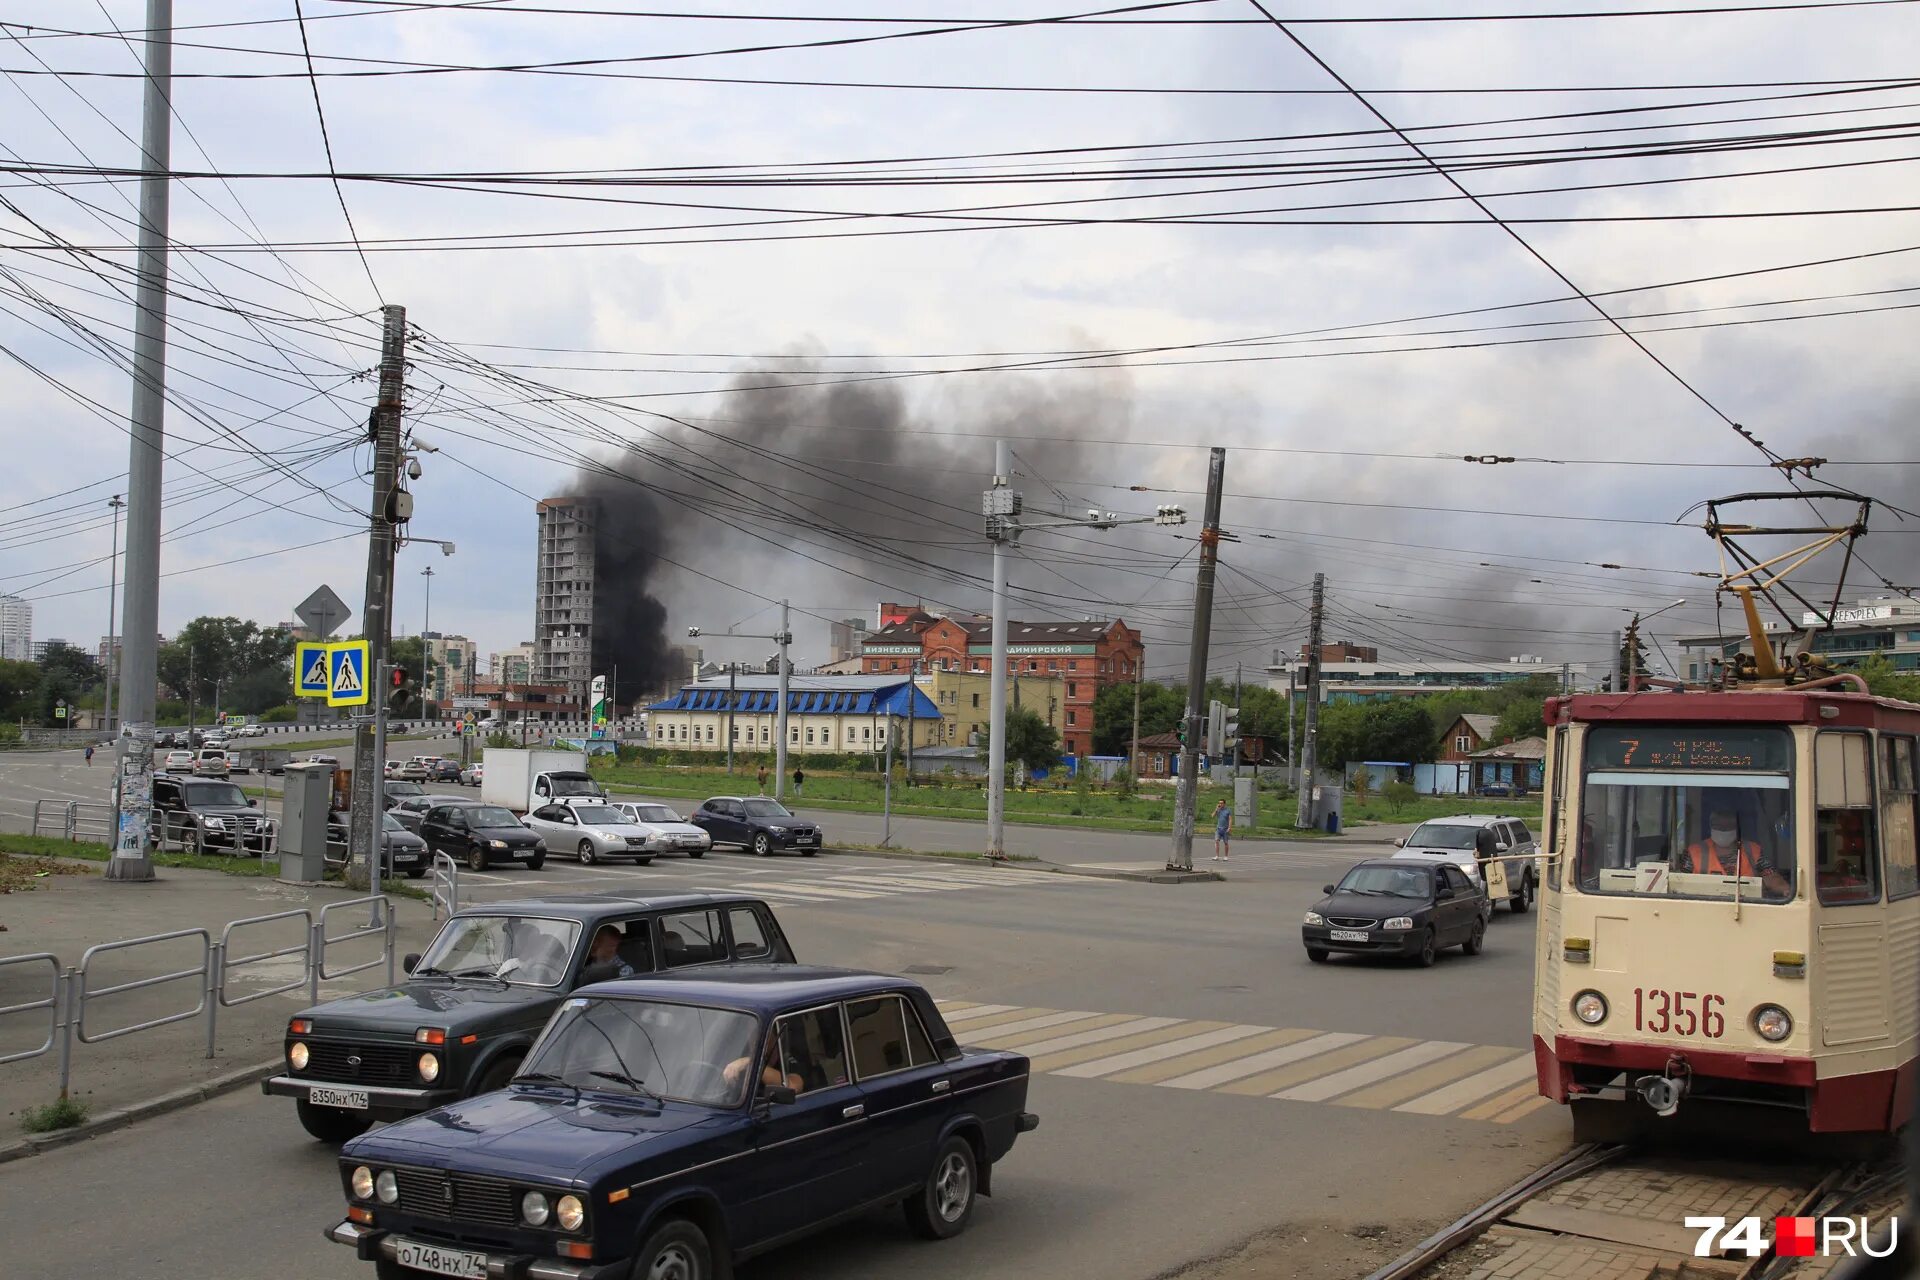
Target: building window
[(1463, 743), (866, 732), (709, 733), (765, 733), (950, 729), (1073, 689), (1070, 717), (809, 735), (1053, 664), (793, 736), (976, 701), (1073, 664)]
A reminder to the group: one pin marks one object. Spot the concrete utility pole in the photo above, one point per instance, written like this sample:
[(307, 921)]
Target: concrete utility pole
[(780, 713), (733, 671), (1186, 791), (1309, 754), (139, 667), (913, 692), (1001, 506), (1619, 662), (1236, 712), (1293, 761), (389, 507), (1133, 748), (113, 599), (429, 675)]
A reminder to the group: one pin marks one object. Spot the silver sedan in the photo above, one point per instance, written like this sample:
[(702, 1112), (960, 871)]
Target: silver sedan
[(591, 832)]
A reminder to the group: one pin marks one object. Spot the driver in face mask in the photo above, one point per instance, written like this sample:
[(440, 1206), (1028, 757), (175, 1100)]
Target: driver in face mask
[(1726, 854)]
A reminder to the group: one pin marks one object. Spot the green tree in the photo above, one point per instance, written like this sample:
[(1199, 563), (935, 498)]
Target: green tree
[(19, 689), (1521, 719), (1886, 680), (1633, 655), (245, 666), (1161, 707), (1030, 740), (67, 675), (1397, 730)]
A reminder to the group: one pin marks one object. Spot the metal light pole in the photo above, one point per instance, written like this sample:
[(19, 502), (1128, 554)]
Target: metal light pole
[(784, 638), (113, 591), (430, 682)]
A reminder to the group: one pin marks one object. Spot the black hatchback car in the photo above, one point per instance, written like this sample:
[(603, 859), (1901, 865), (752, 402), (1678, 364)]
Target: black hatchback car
[(470, 1007), (757, 823), (481, 835), (1397, 908)]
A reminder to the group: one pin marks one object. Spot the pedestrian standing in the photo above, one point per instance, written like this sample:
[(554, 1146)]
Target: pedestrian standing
[(1222, 832), (763, 779), (89, 755), (799, 780)]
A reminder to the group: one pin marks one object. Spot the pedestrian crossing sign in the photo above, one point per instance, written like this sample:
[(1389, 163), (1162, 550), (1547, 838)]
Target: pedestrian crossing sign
[(347, 682), (312, 677)]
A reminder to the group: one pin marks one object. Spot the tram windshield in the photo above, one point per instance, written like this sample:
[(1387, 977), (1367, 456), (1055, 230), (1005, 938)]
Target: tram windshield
[(1687, 812)]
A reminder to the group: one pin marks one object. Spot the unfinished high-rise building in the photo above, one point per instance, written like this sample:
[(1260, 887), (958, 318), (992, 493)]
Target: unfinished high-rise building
[(569, 649)]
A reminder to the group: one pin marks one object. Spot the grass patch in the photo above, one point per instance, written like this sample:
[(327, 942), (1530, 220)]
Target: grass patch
[(64, 1113), (23, 872), (1377, 808), (29, 851)]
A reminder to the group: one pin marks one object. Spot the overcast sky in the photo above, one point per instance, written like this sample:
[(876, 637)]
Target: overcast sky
[(1433, 558)]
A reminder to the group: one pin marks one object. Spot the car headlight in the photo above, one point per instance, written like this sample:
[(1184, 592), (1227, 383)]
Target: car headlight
[(386, 1187), (1590, 1007), (1470, 870), (1772, 1022), (216, 824), (297, 1056), (497, 844), (570, 1212), (429, 1067), (534, 1208), (362, 1183), (1398, 922), (1314, 917), (778, 831)]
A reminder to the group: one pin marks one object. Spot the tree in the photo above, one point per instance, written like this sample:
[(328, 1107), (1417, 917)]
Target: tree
[(245, 666), (67, 675), (1398, 730), (1521, 719), (1030, 741), (19, 689), (1888, 681), (1161, 707), (1633, 654)]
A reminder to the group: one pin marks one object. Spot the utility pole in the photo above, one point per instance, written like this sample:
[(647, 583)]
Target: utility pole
[(913, 696), (733, 669), (113, 593), (1309, 756), (429, 675), (389, 507), (139, 675), (1186, 791), (780, 714), (1133, 748), (1293, 761), (1619, 650), (1001, 506), (886, 808)]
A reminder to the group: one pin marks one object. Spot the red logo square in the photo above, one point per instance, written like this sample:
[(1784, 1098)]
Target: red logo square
[(1793, 1237)]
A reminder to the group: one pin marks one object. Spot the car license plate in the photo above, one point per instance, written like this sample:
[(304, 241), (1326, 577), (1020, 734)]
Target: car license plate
[(444, 1262), (804, 839), (348, 1099), (1349, 935)]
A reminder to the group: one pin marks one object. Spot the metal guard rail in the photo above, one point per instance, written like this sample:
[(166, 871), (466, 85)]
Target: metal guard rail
[(380, 924), (200, 971), (228, 963), (52, 1002)]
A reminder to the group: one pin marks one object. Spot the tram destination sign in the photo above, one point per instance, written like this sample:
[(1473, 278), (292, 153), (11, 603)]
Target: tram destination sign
[(1683, 747)]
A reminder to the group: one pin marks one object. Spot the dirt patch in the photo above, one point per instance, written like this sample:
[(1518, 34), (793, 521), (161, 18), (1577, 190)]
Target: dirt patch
[(22, 873), (1311, 1250)]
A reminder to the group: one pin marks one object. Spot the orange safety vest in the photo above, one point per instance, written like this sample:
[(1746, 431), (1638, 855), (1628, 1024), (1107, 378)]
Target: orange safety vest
[(1704, 856)]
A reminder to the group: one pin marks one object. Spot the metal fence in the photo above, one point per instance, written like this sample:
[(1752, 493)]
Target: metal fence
[(77, 820), (73, 991), (445, 886)]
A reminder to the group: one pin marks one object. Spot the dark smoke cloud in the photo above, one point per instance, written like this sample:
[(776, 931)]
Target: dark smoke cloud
[(629, 626)]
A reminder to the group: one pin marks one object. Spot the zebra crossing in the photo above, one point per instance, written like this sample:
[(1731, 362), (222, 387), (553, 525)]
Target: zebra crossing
[(803, 888), (793, 883), (1489, 1083)]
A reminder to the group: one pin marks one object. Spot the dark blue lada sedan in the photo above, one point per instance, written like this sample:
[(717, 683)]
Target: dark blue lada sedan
[(671, 1126)]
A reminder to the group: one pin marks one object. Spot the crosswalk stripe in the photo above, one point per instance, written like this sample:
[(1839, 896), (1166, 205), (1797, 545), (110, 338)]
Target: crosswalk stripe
[(1411, 1084), (1159, 1072), (1112, 1031), (999, 1038), (1476, 1086), (811, 892), (1505, 1100), (1155, 1053), (978, 1011), (1367, 1073), (1035, 1024), (975, 1025), (949, 1006), (879, 882), (1175, 1030), (1526, 1108), (1293, 1044), (1362, 1049)]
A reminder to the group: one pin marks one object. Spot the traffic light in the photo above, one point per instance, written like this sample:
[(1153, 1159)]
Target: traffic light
[(1216, 728), (399, 677), (1183, 731), (1231, 733)]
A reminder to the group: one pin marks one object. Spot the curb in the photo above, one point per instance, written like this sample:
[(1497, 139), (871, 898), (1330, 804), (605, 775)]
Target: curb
[(1148, 874), (106, 1122)]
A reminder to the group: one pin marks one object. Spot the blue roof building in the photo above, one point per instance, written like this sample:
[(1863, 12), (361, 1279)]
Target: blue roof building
[(836, 714)]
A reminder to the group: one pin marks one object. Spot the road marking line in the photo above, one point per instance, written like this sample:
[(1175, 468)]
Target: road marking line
[(1476, 1086), (1035, 1024), (1186, 1063), (979, 1011), (809, 894), (1362, 1049), (946, 1005), (1368, 1073), (1411, 1084), (1525, 1109), (1112, 1031), (1505, 1100), (1140, 1057), (1086, 1053), (1288, 1044), (1020, 1039)]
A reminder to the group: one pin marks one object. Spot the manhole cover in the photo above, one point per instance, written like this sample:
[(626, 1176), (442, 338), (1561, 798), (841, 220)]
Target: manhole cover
[(931, 970)]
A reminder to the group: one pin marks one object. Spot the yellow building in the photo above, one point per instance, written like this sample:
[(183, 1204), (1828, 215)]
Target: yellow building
[(965, 702)]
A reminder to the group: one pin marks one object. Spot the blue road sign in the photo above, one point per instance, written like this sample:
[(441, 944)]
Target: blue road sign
[(347, 663), (312, 676)]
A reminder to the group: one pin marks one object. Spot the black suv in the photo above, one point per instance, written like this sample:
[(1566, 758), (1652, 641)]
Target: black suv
[(224, 818), (481, 835), (474, 1003), (756, 823)]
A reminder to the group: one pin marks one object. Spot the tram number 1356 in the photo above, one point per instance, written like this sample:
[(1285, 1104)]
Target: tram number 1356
[(1681, 1013)]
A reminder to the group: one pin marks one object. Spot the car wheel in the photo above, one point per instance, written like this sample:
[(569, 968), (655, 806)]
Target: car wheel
[(1317, 954), (677, 1250), (808, 853), (418, 874), (496, 1077), (586, 853), (1521, 899), (697, 853), (944, 1203), (476, 857), (537, 861), (643, 862), (1429, 950), (762, 844), (1476, 939), (329, 1125)]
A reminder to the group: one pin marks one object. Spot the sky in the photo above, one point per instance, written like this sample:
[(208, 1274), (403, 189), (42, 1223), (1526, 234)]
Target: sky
[(793, 318)]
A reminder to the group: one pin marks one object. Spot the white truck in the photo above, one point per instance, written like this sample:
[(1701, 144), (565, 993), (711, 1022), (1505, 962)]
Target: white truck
[(523, 780)]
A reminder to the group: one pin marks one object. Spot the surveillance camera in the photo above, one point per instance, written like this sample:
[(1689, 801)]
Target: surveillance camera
[(424, 447), (446, 548), (692, 632), (1093, 513), (413, 468)]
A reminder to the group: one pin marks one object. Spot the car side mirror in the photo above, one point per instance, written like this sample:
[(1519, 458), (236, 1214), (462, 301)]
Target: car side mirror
[(1442, 893), (1399, 842), (252, 803), (1501, 848), (1327, 889), (780, 1095), (410, 961)]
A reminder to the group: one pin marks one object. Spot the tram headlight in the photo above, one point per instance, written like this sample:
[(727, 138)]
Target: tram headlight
[(1590, 1007), (1772, 1023)]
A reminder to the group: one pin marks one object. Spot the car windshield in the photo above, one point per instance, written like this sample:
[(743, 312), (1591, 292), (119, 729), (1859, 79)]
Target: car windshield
[(654, 813), (674, 1051), (599, 813), (1387, 882), (767, 809), (203, 793), (577, 784), (523, 950), (1687, 813), (491, 815), (1442, 835), (390, 823)]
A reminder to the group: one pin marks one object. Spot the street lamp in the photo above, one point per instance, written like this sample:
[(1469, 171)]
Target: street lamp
[(784, 638)]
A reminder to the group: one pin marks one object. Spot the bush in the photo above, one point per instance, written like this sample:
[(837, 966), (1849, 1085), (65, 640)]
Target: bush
[(280, 715), (1399, 794), (64, 1113), (501, 738), (1124, 784), (1362, 784)]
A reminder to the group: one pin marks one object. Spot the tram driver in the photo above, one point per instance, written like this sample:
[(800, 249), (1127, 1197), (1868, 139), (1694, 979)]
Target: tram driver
[(1724, 853)]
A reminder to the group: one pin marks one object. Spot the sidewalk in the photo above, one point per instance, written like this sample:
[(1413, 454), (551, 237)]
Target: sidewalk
[(67, 914)]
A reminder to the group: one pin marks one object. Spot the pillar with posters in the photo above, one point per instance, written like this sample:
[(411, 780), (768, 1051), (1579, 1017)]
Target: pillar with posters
[(598, 717)]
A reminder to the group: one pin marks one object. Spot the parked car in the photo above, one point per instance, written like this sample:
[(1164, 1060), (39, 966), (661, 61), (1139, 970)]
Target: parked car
[(480, 835), (210, 812), (251, 730), (218, 738), (418, 769), (443, 770), (481, 992), (403, 852), (395, 792), (756, 823), (391, 769), (1468, 841), (165, 741), (178, 762), (412, 809), (323, 759), (1393, 907), (211, 762), (472, 775), (721, 1090), (590, 831), (668, 831)]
